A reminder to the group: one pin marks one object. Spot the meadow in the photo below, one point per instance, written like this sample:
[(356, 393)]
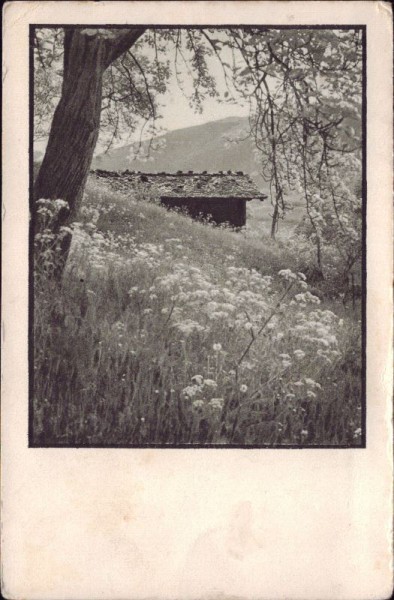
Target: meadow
[(166, 331)]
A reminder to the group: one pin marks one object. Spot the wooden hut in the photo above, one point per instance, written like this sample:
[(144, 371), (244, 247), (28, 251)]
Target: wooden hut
[(217, 197)]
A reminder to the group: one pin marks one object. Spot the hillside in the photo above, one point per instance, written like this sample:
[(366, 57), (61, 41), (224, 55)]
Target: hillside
[(166, 331), (200, 148)]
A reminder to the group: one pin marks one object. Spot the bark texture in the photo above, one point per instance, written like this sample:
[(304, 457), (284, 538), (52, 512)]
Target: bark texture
[(76, 122)]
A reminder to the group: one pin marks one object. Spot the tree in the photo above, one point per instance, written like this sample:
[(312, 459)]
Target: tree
[(97, 61), (304, 87), (76, 122)]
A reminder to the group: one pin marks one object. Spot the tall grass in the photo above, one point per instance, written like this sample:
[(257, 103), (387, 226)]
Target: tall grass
[(167, 331)]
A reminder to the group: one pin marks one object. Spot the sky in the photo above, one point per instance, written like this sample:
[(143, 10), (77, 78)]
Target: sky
[(175, 110)]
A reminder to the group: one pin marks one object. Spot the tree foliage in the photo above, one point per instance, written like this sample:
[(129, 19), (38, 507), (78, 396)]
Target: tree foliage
[(304, 92)]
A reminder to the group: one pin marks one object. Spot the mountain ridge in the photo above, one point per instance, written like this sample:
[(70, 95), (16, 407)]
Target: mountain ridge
[(198, 148)]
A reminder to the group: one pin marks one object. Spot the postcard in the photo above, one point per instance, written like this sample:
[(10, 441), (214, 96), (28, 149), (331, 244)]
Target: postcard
[(197, 300)]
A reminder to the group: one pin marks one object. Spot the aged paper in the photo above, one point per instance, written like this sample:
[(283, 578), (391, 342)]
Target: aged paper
[(135, 523)]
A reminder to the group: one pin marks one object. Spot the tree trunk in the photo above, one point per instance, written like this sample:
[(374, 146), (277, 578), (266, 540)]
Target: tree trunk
[(274, 222), (76, 122)]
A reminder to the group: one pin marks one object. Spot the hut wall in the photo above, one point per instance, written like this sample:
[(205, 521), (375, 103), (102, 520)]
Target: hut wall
[(218, 210)]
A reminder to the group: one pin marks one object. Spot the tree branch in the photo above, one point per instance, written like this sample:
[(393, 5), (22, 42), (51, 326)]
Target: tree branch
[(124, 40), (141, 70)]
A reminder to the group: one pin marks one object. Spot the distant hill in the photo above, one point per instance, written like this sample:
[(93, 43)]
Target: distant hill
[(200, 148)]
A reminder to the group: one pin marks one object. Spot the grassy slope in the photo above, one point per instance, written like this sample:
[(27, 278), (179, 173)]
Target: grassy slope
[(153, 299)]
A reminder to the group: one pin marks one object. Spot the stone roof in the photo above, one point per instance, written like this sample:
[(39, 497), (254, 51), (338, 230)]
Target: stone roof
[(227, 184)]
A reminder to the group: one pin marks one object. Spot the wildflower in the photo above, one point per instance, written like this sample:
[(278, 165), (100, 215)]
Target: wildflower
[(298, 383), (216, 403), (311, 394), (243, 388), (247, 365), (188, 326), (304, 432), (299, 354), (279, 336), (198, 403), (286, 363), (198, 379), (210, 383), (310, 382), (284, 356), (217, 347), (190, 391), (357, 432), (287, 274), (60, 204)]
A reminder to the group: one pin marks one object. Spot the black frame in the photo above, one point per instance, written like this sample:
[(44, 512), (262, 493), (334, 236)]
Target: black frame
[(362, 445)]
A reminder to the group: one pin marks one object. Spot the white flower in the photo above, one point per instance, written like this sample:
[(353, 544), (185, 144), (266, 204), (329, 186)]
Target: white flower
[(210, 383), (278, 337), (216, 403), (304, 432), (299, 354), (217, 347), (310, 382), (198, 379), (189, 326), (287, 274), (286, 363), (190, 391), (243, 388), (60, 204), (198, 403), (311, 394)]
